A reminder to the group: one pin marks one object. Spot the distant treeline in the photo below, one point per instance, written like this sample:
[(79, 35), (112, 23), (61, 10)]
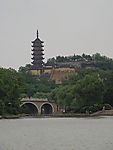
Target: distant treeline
[(69, 58)]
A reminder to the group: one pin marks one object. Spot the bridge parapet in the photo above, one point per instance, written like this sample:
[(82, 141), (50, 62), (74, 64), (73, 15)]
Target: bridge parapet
[(34, 99)]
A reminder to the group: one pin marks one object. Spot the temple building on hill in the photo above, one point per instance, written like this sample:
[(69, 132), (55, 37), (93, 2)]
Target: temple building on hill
[(37, 67)]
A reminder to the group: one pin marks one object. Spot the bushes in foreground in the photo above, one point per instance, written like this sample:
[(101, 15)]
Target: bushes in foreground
[(95, 108)]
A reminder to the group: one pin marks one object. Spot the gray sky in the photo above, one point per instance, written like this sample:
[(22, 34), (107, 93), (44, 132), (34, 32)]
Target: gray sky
[(65, 26)]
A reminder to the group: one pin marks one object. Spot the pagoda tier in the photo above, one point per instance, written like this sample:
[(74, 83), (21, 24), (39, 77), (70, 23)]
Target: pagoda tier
[(34, 66), (36, 58), (38, 49), (37, 54), (37, 61), (37, 45)]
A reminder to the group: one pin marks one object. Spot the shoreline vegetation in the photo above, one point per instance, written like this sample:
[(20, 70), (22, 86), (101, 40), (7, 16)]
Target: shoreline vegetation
[(66, 115)]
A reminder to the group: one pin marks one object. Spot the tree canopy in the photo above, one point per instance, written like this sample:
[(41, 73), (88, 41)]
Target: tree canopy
[(86, 89), (11, 86)]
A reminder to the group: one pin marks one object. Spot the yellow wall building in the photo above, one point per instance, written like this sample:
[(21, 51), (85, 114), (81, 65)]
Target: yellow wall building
[(56, 74)]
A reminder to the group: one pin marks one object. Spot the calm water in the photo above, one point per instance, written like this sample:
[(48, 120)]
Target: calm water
[(57, 134)]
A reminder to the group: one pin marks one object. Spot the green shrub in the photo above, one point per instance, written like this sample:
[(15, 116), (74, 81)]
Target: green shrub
[(91, 109), (107, 106), (84, 109), (1, 107)]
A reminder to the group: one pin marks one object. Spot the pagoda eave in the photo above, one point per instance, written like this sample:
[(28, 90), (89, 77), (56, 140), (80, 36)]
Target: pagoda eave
[(34, 58), (37, 50), (38, 46), (37, 55), (34, 54), (37, 41)]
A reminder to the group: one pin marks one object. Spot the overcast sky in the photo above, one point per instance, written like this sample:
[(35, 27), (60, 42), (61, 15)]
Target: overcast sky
[(65, 26)]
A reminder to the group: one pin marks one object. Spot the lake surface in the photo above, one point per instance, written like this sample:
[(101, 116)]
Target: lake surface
[(57, 134)]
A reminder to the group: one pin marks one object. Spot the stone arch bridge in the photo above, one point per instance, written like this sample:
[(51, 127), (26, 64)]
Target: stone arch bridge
[(32, 106)]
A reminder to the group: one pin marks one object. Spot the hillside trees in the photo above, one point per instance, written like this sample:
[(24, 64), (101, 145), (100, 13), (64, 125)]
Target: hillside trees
[(102, 62), (86, 89), (89, 91), (35, 86), (107, 77)]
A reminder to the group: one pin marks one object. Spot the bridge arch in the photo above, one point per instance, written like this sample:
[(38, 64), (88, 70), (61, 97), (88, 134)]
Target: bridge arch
[(46, 108), (31, 108)]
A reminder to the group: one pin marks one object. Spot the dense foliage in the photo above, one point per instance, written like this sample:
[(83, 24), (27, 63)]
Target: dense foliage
[(11, 86), (16, 85), (88, 88), (34, 85)]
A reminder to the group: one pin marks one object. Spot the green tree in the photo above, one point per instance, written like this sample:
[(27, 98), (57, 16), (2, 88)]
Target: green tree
[(107, 77), (11, 85), (89, 90)]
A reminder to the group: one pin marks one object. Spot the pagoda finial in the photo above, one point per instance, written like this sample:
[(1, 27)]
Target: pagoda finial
[(37, 33)]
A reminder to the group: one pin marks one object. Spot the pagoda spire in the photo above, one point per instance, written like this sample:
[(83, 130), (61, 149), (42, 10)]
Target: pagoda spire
[(37, 33)]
